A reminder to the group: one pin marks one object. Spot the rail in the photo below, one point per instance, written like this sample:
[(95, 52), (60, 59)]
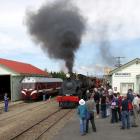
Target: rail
[(38, 123)]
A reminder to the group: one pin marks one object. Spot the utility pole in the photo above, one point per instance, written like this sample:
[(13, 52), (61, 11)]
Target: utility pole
[(118, 61)]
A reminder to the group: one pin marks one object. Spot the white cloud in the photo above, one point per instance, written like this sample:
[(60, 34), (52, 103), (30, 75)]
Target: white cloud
[(122, 16), (116, 13), (16, 46)]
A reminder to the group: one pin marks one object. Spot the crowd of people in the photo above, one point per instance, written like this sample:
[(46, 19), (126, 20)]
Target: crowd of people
[(104, 103)]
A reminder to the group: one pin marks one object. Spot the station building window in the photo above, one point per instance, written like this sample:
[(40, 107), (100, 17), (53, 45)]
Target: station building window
[(125, 86)]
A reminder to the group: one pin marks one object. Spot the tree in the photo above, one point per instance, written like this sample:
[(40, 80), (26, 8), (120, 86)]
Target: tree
[(61, 75)]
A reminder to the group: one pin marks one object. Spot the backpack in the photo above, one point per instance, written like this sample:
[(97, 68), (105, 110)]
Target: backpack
[(130, 106), (113, 105)]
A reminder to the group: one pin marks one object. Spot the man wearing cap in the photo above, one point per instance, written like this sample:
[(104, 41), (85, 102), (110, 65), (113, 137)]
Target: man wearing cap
[(82, 111)]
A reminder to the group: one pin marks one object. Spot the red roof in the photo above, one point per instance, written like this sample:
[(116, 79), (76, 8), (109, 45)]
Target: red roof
[(22, 68)]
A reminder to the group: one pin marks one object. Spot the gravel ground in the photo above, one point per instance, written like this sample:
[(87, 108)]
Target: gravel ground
[(44, 126), (49, 135), (16, 109), (24, 117)]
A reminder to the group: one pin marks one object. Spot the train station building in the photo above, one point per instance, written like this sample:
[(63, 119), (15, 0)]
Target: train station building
[(11, 75), (126, 76)]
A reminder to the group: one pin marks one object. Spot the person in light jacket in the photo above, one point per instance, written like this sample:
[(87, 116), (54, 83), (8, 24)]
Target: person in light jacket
[(82, 111), (135, 104)]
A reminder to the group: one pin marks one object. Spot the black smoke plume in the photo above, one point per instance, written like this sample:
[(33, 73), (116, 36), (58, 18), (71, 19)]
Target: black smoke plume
[(58, 27)]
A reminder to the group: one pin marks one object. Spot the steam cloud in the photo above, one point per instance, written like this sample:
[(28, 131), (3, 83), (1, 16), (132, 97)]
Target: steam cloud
[(58, 27), (104, 44)]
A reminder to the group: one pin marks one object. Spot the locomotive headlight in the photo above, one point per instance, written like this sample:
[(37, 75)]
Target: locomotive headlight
[(30, 89), (23, 92), (33, 92)]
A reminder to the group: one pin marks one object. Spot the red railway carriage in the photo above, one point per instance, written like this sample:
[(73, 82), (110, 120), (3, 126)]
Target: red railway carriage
[(35, 87)]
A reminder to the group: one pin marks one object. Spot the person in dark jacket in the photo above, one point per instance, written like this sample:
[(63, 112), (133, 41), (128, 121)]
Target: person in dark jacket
[(130, 98), (97, 101), (103, 105), (125, 114), (114, 106), (119, 105), (5, 103), (130, 95)]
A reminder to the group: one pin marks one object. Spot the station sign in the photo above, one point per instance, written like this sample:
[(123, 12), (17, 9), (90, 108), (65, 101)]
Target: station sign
[(122, 74)]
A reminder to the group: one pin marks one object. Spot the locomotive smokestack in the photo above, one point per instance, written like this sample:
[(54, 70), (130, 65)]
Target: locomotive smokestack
[(58, 28)]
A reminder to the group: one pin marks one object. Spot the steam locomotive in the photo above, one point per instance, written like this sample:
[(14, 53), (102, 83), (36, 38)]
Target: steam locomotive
[(73, 89)]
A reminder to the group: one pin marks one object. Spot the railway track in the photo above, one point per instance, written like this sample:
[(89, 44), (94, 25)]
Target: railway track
[(37, 130), (26, 110)]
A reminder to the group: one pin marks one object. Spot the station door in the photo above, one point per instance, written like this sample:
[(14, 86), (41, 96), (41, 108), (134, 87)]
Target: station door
[(5, 86)]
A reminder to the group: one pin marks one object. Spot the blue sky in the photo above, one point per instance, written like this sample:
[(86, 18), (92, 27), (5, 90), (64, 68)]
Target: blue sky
[(121, 17)]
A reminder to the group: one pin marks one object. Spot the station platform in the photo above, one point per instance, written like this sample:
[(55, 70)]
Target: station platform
[(105, 131)]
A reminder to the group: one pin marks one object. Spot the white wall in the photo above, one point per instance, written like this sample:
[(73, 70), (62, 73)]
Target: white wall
[(16, 87), (133, 69)]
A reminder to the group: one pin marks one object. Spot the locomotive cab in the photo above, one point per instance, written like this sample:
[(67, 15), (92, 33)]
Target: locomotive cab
[(28, 88)]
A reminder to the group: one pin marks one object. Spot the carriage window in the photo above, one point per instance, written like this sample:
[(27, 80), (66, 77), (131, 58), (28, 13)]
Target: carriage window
[(28, 85)]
